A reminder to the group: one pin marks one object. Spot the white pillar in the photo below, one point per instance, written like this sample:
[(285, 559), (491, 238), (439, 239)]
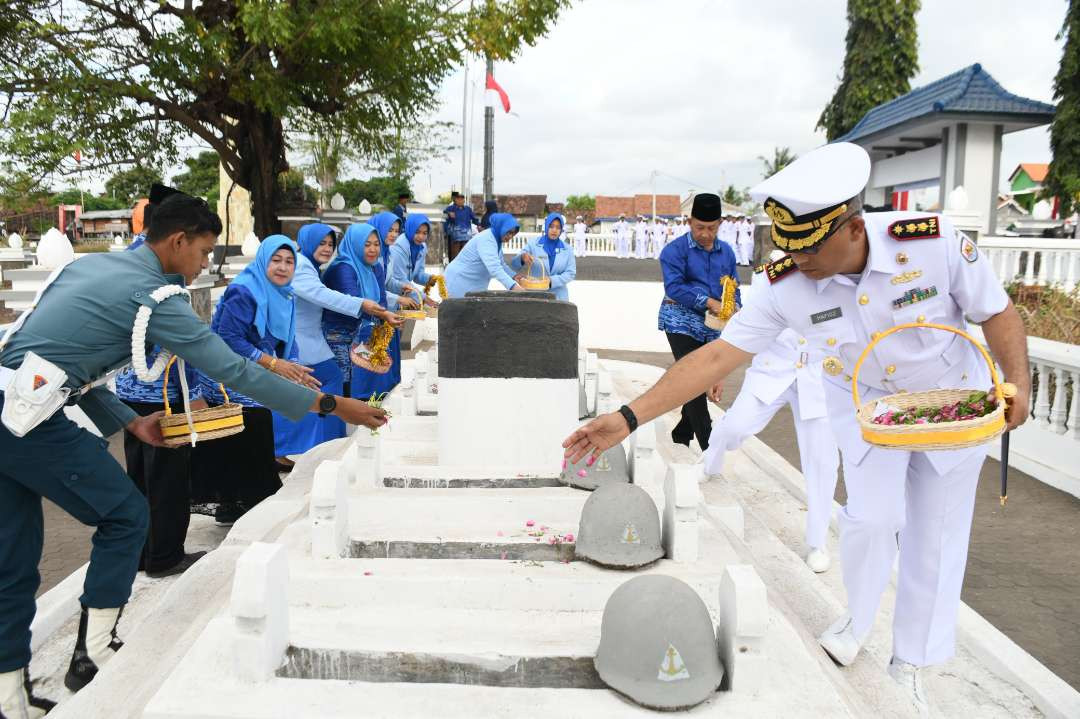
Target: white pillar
[(592, 367), (744, 620), (681, 499), (260, 611), (328, 513), (642, 453), (605, 391)]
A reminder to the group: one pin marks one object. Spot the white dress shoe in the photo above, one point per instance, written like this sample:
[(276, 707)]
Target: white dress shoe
[(17, 700), (839, 641), (818, 560), (909, 677)]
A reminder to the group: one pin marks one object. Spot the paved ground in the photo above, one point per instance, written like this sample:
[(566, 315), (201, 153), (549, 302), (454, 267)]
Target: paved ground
[(1023, 569)]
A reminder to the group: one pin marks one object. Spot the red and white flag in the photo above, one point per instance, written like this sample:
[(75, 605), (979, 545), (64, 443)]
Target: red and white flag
[(78, 156), (492, 89)]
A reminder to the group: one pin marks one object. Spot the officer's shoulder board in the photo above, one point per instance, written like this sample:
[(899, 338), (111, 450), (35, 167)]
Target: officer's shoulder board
[(783, 267), (915, 228), (760, 268)]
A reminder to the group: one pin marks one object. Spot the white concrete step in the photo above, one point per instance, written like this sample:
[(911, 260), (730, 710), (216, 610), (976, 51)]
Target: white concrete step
[(420, 585)]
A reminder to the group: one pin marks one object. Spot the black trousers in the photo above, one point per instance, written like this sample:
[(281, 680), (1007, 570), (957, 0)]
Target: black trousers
[(695, 421), (238, 468), (162, 475)]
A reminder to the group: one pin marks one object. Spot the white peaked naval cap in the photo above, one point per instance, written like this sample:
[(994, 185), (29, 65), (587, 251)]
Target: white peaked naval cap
[(819, 179)]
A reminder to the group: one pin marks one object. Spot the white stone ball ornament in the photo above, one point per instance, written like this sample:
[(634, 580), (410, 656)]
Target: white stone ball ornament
[(250, 245), (1042, 211), (365, 207), (337, 202), (54, 250)]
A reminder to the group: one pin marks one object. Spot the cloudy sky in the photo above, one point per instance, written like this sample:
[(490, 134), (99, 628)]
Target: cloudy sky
[(697, 89)]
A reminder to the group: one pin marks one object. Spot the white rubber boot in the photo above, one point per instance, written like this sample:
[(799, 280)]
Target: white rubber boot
[(17, 700), (95, 645)]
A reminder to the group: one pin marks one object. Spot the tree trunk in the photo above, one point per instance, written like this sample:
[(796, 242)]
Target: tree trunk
[(261, 141)]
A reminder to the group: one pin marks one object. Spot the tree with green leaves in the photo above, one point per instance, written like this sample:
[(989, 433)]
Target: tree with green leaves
[(202, 177), (131, 184), (1063, 179), (733, 196), (782, 157), (580, 202), (881, 58), (377, 190), (125, 81)]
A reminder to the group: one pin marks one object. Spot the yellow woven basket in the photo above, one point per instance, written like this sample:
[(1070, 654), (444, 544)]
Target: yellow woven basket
[(210, 423), (417, 315), (713, 321), (925, 437)]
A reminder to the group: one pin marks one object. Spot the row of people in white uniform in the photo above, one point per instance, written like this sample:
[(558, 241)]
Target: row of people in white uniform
[(646, 239)]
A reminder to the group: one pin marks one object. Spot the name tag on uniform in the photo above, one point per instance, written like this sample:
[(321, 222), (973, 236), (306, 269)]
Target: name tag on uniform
[(826, 315)]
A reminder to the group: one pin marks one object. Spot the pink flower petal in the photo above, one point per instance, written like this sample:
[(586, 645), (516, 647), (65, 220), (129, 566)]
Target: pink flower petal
[(530, 523), (367, 574), (582, 473), (502, 556), (564, 464), (568, 537), (499, 533)]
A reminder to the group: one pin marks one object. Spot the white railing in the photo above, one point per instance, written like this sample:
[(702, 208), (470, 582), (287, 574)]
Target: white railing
[(1034, 261), (597, 244), (1048, 446)]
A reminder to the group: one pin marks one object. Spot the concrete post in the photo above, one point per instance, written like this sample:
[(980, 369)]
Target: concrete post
[(329, 511), (744, 620), (605, 391), (592, 368), (681, 499), (642, 453), (260, 610)]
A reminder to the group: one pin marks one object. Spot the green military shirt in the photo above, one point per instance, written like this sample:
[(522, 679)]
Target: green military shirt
[(83, 323)]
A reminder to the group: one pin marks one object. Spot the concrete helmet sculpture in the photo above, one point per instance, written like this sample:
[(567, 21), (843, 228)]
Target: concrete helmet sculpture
[(611, 467), (658, 645), (619, 527)]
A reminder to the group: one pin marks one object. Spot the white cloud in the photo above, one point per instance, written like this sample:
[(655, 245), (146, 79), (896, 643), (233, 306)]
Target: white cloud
[(697, 90)]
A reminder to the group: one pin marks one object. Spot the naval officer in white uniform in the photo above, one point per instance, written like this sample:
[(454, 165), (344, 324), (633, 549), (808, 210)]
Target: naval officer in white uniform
[(848, 277), (780, 375)]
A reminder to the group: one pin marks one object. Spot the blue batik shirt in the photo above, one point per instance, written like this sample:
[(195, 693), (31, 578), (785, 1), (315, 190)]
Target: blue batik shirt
[(691, 276)]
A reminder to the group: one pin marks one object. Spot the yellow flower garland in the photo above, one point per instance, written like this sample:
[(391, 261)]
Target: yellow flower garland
[(379, 343), (727, 296), (436, 279)]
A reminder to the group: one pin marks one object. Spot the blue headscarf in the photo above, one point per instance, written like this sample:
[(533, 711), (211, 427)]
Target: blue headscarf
[(382, 223), (413, 223), (310, 237), (501, 223), (351, 253), (275, 310), (549, 245)]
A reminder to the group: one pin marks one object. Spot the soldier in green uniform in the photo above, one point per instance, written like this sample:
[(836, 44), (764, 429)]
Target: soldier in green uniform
[(82, 325)]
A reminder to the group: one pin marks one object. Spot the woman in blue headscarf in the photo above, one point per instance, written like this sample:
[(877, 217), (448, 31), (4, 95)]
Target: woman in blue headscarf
[(408, 255), (358, 272), (557, 256), (257, 319), (398, 294), (481, 260)]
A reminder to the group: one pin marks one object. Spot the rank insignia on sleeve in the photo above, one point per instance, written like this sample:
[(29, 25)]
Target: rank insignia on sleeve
[(781, 268), (919, 228), (760, 268), (968, 250)]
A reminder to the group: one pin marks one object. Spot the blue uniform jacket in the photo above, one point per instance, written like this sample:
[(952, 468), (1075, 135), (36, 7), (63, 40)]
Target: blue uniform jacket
[(403, 270), (562, 271), (83, 326), (234, 322), (481, 259), (312, 297), (342, 278)]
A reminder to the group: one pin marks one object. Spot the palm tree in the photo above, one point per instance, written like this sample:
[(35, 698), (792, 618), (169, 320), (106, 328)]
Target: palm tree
[(782, 157)]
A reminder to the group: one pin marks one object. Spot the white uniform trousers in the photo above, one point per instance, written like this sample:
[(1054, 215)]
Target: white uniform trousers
[(897, 497), (621, 243), (746, 249), (818, 455)]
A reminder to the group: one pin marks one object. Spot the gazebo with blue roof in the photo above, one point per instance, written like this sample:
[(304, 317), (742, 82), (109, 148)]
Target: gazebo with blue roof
[(947, 133)]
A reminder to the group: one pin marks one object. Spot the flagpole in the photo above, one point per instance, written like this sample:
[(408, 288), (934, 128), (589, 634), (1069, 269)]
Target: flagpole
[(464, 126), (489, 142)]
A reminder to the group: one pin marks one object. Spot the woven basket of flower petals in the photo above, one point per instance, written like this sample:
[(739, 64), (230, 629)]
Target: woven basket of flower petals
[(934, 419), (373, 356), (200, 425)]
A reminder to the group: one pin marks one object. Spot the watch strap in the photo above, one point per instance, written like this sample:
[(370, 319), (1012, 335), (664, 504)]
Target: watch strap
[(630, 417)]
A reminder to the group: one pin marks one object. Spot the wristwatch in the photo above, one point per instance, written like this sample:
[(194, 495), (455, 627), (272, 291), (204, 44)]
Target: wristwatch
[(327, 404), (630, 417)]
